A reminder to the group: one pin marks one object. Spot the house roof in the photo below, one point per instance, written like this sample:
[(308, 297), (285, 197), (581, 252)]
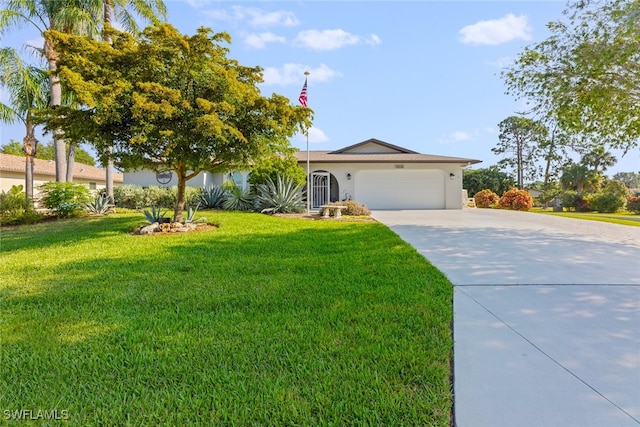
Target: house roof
[(376, 151), (11, 163)]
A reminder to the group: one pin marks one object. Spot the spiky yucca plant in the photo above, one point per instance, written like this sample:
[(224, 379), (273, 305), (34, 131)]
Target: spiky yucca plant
[(155, 214), (212, 197), (282, 196), (99, 206), (238, 199)]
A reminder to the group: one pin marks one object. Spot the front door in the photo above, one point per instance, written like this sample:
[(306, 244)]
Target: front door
[(319, 189)]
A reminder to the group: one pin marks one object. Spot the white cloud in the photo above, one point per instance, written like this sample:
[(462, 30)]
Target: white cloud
[(497, 31), (260, 18), (373, 40), (293, 74), (460, 136), (258, 41), (332, 39), (316, 136), (37, 43), (255, 17), (502, 62)]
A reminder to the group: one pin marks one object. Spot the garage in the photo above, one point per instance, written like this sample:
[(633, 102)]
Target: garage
[(400, 189)]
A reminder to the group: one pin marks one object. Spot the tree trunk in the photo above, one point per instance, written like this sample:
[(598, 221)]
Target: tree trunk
[(71, 162), (180, 196), (519, 160), (30, 149), (108, 177), (56, 100)]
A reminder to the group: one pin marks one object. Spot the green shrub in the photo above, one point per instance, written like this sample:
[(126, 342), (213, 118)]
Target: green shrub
[(517, 200), (486, 198), (16, 209), (571, 201), (160, 196), (353, 208), (129, 196), (633, 204), (281, 196), (66, 199), (611, 198)]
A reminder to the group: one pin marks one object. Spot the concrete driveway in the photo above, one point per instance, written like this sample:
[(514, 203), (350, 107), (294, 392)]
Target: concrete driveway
[(546, 315)]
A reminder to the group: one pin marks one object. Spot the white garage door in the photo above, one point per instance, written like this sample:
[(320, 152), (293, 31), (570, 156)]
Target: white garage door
[(400, 189)]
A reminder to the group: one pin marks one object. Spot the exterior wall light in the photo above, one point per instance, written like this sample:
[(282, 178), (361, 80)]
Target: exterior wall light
[(348, 177), (452, 175)]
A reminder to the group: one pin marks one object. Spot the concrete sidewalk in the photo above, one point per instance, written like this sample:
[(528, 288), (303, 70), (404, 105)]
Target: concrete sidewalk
[(546, 315)]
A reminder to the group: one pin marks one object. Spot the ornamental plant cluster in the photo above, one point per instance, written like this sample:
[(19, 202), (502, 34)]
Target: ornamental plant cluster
[(514, 199), (353, 208), (486, 198)]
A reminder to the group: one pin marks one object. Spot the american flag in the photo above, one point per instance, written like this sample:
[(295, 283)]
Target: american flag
[(303, 95)]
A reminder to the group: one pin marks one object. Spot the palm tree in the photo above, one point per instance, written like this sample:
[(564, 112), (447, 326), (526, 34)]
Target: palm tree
[(577, 176), (28, 88), (71, 16), (81, 17), (597, 158)]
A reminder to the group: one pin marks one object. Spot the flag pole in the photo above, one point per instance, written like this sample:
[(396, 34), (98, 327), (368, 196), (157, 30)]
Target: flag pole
[(306, 75)]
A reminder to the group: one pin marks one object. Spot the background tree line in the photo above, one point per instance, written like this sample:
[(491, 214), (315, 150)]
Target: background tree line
[(580, 87)]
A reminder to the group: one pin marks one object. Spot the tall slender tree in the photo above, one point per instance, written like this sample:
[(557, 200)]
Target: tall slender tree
[(28, 88), (520, 139)]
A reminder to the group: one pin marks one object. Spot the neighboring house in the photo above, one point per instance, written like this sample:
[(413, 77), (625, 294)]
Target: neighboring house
[(534, 192), (12, 173), (373, 172)]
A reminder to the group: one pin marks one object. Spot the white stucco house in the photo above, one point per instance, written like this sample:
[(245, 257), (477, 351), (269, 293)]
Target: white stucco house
[(373, 172)]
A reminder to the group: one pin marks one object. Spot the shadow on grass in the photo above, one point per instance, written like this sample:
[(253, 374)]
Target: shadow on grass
[(262, 321), (65, 231)]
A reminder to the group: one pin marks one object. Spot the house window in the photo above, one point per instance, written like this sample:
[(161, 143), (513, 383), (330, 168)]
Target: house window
[(92, 186), (236, 178)]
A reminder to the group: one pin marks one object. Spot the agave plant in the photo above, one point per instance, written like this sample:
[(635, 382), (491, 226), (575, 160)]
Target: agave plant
[(282, 196), (212, 197), (155, 214), (191, 215), (99, 206), (238, 199)]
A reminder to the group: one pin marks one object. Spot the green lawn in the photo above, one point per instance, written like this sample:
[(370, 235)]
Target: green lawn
[(262, 321), (624, 218)]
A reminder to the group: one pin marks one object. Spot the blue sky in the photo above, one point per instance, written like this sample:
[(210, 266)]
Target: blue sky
[(424, 75)]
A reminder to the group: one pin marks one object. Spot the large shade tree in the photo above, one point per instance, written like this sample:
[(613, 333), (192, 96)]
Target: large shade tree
[(585, 74), (28, 89), (167, 101)]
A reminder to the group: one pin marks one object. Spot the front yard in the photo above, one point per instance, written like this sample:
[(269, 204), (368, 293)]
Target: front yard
[(260, 321)]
